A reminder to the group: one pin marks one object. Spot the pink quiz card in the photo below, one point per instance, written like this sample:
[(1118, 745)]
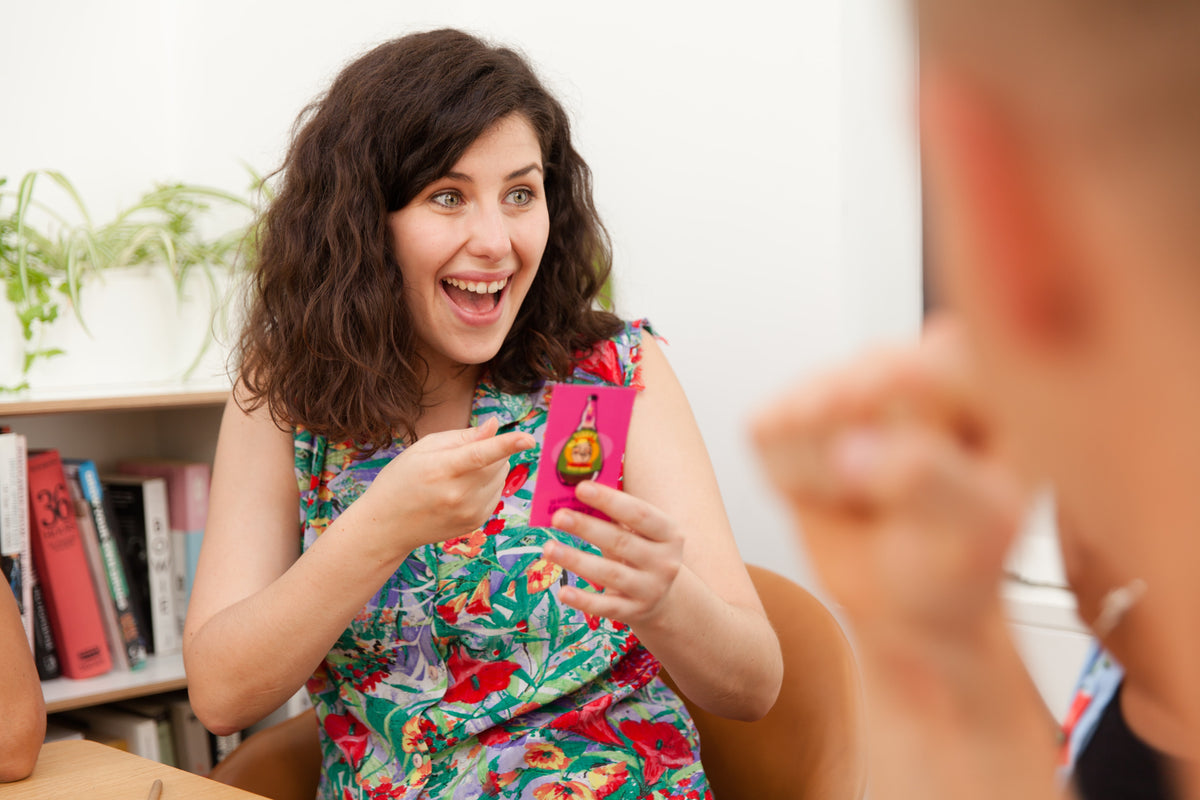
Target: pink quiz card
[(585, 437)]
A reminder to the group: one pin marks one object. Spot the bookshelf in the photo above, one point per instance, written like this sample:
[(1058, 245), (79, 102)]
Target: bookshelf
[(105, 428), (160, 674)]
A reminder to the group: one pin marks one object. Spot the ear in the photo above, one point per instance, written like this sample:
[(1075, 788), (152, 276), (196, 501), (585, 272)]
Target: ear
[(996, 249)]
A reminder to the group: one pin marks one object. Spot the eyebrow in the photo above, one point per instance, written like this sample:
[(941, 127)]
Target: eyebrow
[(458, 176)]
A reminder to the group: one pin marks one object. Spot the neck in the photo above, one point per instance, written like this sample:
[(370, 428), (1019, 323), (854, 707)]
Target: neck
[(1152, 505), (446, 396)]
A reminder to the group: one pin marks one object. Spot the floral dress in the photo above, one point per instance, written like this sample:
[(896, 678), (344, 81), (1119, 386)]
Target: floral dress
[(464, 676)]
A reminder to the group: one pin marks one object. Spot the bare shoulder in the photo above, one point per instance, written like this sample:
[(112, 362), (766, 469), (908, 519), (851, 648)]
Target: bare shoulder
[(254, 460), (661, 385)]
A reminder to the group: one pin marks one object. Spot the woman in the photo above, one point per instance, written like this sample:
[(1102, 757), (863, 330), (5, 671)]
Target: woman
[(431, 261)]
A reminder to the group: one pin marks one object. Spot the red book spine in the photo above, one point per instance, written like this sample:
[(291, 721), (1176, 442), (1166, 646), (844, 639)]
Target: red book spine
[(62, 571)]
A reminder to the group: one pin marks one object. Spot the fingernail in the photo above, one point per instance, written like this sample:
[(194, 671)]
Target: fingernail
[(562, 518), (856, 454), (548, 550), (585, 490)]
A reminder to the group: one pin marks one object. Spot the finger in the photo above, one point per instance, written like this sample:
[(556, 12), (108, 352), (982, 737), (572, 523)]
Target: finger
[(922, 473), (627, 510), (594, 569), (447, 440), (930, 382), (480, 454), (796, 463), (615, 542), (599, 604), (479, 432)]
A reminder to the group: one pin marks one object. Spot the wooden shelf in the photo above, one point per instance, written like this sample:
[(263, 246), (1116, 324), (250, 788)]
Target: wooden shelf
[(126, 402), (160, 674)]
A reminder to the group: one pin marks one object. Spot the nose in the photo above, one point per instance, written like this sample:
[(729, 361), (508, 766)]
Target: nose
[(488, 236)]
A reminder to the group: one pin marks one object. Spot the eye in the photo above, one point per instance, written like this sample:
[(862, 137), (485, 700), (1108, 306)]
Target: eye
[(520, 197), (448, 199)]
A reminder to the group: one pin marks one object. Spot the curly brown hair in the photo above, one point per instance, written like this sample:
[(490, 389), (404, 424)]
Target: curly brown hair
[(327, 344)]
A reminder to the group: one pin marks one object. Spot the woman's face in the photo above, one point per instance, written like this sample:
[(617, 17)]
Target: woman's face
[(469, 245)]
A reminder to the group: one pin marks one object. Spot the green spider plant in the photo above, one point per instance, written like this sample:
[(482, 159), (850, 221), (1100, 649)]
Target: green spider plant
[(46, 256)]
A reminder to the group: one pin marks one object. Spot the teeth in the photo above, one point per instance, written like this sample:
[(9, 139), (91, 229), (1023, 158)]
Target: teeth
[(478, 287)]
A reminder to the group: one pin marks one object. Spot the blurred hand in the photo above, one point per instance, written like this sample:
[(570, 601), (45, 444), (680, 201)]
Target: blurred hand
[(445, 485), (898, 486), (641, 548)]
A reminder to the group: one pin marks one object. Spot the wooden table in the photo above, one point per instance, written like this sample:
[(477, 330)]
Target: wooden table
[(78, 768)]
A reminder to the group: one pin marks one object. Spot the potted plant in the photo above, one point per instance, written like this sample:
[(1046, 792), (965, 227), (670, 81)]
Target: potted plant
[(50, 259)]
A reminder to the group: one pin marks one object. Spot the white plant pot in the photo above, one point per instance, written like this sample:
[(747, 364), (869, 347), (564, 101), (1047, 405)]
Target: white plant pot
[(141, 336)]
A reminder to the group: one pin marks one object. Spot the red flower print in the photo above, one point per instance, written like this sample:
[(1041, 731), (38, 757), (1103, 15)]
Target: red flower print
[(496, 781), (661, 744), (466, 546), (545, 756), (481, 598), (604, 362), (417, 731), (493, 736), (386, 790), (348, 734), (473, 680), (451, 610), (635, 668), (541, 575), (607, 779), (365, 683), (493, 526), (515, 480), (572, 790), (590, 720)]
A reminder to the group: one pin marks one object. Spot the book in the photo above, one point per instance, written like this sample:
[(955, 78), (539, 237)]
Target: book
[(586, 429), (139, 504), (16, 560), (111, 552), (298, 703), (45, 652), (156, 709), (187, 505), (91, 548), (59, 729), (112, 723), (192, 740), (62, 572), (223, 745)]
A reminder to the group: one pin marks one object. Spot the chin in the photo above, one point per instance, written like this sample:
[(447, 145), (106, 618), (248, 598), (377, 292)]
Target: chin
[(473, 356)]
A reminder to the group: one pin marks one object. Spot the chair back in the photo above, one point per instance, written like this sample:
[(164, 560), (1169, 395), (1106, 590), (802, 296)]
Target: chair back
[(281, 762), (809, 746)]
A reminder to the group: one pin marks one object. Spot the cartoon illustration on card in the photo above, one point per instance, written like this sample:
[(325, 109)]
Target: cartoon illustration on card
[(585, 437)]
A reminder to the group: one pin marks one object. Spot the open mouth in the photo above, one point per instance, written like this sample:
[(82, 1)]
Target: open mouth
[(475, 297)]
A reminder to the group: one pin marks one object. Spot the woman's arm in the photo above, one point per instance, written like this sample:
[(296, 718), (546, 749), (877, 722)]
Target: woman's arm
[(262, 616), (695, 607), (22, 710)]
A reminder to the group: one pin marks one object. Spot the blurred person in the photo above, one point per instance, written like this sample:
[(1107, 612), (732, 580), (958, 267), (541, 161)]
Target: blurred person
[(1061, 145), (22, 709)]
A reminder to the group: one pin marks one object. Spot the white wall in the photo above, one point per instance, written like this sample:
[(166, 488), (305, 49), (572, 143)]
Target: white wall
[(753, 160)]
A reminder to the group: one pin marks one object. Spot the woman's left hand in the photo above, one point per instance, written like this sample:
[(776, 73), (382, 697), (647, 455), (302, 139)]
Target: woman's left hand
[(642, 552)]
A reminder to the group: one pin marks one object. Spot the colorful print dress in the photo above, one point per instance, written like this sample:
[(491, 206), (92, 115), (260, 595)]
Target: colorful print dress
[(464, 676)]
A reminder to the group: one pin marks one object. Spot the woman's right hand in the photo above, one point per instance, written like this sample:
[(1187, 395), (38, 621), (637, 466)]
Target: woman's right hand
[(445, 485)]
